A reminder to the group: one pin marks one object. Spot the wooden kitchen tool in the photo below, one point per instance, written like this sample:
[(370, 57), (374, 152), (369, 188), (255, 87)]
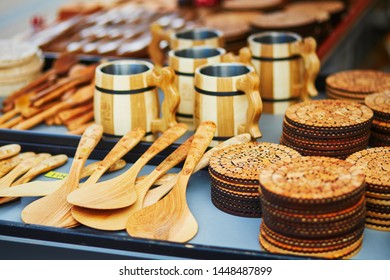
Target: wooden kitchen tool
[(43, 188), (170, 218), (156, 194), (9, 150), (38, 165), (116, 219), (82, 95), (120, 192), (54, 210), (6, 165)]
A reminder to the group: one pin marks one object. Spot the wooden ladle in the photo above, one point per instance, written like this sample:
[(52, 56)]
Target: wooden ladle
[(170, 218), (116, 219), (54, 210), (119, 192)]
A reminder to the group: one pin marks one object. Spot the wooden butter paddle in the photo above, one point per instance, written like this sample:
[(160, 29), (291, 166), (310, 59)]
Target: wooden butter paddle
[(54, 210), (116, 219), (170, 218)]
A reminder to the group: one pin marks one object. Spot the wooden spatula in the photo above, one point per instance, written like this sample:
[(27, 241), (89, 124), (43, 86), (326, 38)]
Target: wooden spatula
[(54, 210), (6, 165), (120, 192), (9, 150), (170, 218), (116, 219)]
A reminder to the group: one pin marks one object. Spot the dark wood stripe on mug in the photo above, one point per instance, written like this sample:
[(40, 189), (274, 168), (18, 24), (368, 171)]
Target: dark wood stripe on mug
[(220, 93), (184, 74), (133, 91), (276, 59), (184, 115)]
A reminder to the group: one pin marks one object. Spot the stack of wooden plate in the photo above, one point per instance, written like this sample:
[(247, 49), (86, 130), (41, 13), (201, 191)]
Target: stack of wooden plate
[(234, 173), (333, 128), (376, 165), (312, 206), (20, 63), (355, 85), (380, 130)]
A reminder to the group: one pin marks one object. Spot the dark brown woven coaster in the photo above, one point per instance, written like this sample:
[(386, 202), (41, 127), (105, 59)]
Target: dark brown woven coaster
[(234, 210), (379, 103)]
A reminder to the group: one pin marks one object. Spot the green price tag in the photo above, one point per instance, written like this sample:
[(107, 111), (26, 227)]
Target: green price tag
[(56, 175)]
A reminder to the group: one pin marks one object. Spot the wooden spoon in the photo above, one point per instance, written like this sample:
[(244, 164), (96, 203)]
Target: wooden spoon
[(170, 218), (38, 165), (116, 219), (43, 188), (9, 150), (82, 95), (156, 194), (54, 210), (6, 165), (120, 192)]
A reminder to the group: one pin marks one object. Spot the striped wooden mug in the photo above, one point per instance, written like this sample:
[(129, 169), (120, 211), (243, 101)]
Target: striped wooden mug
[(181, 39), (126, 97), (287, 65), (184, 62), (227, 93)]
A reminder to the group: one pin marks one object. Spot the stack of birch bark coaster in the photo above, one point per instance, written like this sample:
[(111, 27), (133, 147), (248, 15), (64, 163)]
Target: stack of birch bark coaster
[(234, 173), (376, 165), (334, 128), (355, 85), (20, 63), (312, 206), (380, 130)]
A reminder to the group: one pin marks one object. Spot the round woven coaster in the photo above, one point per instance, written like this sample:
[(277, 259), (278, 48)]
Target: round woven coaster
[(14, 53), (378, 215), (377, 227), (380, 137), (379, 102), (344, 253), (377, 195), (314, 248), (235, 209), (236, 187), (242, 163), (381, 126), (375, 163), (314, 181), (328, 114), (314, 243), (327, 134), (333, 95), (378, 143), (359, 81)]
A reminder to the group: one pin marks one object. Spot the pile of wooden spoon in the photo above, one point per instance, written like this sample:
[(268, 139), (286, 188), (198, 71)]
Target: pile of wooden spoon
[(57, 88)]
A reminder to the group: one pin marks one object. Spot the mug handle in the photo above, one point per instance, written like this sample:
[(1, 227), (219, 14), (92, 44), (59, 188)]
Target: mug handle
[(307, 49), (250, 84), (155, 52), (244, 56), (164, 79)]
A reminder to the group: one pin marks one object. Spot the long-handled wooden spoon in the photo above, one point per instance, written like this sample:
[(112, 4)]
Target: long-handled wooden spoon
[(6, 165), (170, 218), (156, 194), (43, 188), (119, 192), (38, 166), (54, 210), (116, 219), (9, 150)]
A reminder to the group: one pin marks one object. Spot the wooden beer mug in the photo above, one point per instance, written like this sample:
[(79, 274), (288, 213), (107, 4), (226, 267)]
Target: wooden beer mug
[(228, 94), (180, 40), (287, 65), (126, 97)]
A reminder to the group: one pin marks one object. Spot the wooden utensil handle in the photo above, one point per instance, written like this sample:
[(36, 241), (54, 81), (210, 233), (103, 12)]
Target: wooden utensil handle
[(154, 50), (123, 146), (202, 138), (8, 164), (165, 80), (44, 166), (307, 49), (88, 142), (250, 84), (90, 168), (9, 150), (9, 115), (166, 139)]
